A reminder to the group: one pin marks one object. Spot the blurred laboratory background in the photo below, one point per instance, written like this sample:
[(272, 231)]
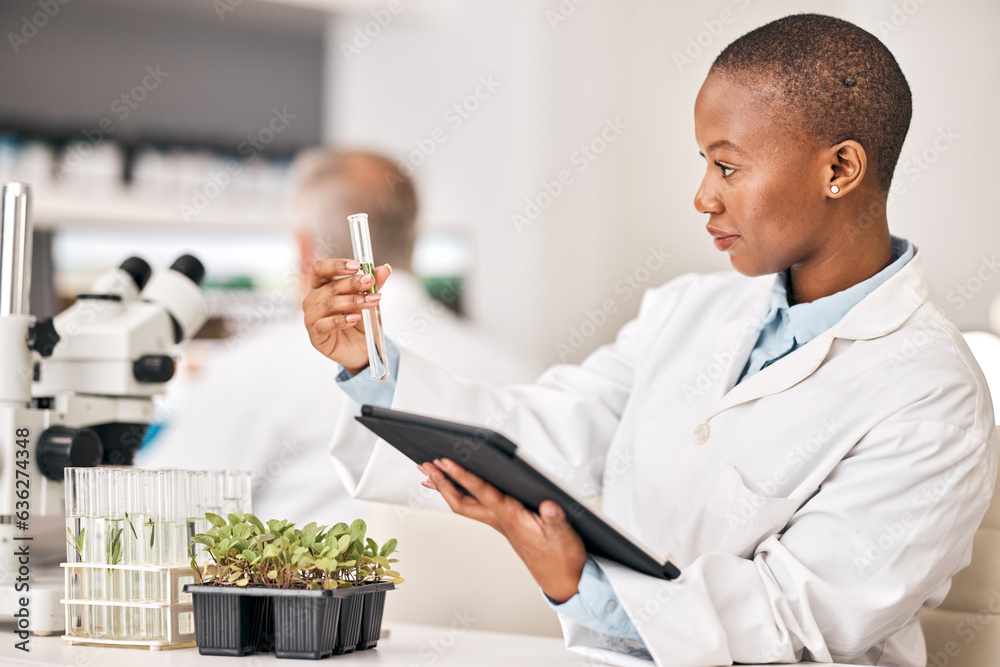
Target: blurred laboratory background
[(552, 143)]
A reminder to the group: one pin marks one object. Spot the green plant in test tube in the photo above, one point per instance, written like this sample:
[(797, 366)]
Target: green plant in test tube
[(114, 551), (135, 584), (361, 243), (78, 579)]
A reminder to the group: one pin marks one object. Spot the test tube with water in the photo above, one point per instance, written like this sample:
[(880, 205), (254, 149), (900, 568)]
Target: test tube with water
[(77, 491), (114, 552), (151, 538), (161, 539), (135, 580), (197, 485), (95, 550), (125, 517), (371, 317), (237, 492)]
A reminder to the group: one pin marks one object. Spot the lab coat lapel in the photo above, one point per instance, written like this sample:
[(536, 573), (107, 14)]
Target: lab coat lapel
[(878, 314), (737, 338), (779, 376)]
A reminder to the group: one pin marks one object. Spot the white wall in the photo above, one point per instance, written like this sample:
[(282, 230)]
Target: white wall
[(560, 83)]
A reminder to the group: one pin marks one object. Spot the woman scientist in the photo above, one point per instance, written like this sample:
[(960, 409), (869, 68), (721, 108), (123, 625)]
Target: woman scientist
[(828, 483)]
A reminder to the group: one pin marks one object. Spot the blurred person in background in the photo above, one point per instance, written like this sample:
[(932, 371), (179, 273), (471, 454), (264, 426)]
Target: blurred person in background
[(269, 405)]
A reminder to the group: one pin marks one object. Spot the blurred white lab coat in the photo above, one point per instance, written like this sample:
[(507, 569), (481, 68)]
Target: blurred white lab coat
[(270, 405), (812, 508)]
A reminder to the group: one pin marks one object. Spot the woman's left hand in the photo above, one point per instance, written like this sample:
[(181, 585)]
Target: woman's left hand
[(551, 549)]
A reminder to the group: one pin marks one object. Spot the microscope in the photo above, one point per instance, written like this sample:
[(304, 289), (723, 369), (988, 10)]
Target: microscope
[(75, 390)]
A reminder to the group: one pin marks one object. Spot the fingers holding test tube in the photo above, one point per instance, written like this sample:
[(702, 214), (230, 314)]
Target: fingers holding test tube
[(333, 309)]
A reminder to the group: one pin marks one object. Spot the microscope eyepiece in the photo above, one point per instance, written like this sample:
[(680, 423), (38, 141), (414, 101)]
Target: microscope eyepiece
[(191, 267), (138, 269)]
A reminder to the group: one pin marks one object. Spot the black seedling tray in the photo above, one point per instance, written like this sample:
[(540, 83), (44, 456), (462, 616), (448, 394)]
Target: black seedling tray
[(292, 622)]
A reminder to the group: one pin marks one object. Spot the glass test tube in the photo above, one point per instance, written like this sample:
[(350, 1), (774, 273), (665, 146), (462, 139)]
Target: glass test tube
[(197, 486), (181, 554), (150, 551), (95, 525), (215, 491), (237, 491), (178, 511), (372, 317), (161, 541), (76, 487), (114, 550), (135, 582)]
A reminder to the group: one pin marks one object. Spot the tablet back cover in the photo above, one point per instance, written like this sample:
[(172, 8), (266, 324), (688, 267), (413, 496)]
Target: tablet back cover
[(493, 457)]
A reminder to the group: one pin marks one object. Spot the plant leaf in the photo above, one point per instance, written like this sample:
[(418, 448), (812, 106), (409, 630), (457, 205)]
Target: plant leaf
[(388, 548), (255, 522), (215, 519), (203, 539), (358, 530)]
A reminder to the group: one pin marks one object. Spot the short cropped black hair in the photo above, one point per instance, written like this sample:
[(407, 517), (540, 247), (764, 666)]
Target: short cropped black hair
[(839, 82)]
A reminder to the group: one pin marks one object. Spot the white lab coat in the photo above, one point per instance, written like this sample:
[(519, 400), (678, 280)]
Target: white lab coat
[(269, 406), (812, 509)]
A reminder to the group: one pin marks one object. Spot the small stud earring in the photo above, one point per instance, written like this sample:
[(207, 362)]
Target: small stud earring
[(834, 189)]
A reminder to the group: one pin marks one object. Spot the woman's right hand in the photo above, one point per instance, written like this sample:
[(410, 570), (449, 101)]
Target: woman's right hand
[(333, 310)]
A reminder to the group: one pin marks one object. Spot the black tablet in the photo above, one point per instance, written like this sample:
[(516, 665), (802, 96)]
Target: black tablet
[(493, 457)]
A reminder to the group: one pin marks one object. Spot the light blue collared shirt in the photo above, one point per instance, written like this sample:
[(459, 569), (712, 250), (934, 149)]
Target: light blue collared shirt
[(786, 328)]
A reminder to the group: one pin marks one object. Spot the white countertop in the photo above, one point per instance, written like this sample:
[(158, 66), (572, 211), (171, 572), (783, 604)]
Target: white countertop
[(407, 646)]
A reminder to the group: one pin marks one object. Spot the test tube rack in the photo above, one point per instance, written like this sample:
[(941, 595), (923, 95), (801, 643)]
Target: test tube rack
[(178, 603)]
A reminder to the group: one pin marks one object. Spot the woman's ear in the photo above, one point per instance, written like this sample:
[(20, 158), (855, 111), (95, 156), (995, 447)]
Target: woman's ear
[(848, 164)]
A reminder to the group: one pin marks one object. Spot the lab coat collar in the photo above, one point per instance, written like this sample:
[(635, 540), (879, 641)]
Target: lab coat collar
[(884, 310), (881, 312)]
